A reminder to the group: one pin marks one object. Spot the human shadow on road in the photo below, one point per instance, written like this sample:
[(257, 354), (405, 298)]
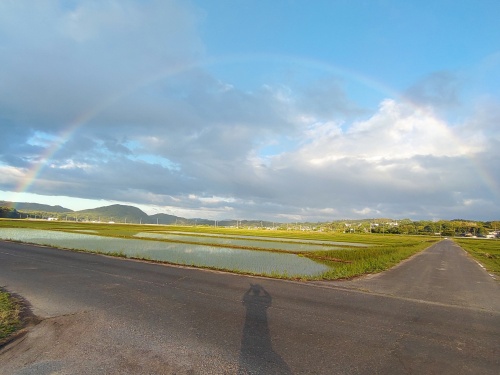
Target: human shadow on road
[(257, 355)]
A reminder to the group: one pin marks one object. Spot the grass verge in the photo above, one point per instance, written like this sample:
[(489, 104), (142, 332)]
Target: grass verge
[(10, 320), (348, 264), (486, 252)]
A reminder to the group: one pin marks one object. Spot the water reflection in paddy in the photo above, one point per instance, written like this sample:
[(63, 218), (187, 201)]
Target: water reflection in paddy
[(267, 243), (274, 239), (260, 262)]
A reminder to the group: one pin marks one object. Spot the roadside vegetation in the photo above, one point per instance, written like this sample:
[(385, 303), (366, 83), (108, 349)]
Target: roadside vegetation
[(9, 316), (390, 251), (486, 252)]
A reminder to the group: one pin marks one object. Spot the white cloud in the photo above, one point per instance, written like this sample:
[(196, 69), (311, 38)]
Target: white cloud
[(366, 212), (10, 176), (396, 131), (70, 164)]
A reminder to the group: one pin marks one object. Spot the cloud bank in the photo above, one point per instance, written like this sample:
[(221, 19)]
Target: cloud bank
[(112, 100)]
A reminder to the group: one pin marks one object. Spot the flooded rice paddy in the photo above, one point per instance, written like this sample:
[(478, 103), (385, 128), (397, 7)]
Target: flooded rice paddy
[(250, 242), (218, 257), (273, 239)]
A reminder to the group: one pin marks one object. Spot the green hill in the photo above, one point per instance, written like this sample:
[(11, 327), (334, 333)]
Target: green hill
[(166, 219), (117, 212), (34, 207)]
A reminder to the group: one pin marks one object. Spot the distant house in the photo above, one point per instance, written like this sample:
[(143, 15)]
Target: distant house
[(494, 234)]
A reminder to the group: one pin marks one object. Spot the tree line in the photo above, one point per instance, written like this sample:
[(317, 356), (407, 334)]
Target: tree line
[(448, 228)]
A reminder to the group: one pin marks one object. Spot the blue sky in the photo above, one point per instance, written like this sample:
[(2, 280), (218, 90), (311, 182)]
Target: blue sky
[(393, 42), (279, 110)]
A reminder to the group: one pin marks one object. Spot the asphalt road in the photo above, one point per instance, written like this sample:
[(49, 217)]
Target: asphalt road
[(437, 313)]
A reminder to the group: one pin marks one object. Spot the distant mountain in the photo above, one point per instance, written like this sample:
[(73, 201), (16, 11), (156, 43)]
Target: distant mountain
[(166, 219), (35, 207), (116, 212)]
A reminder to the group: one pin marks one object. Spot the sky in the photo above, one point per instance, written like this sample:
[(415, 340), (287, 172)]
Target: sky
[(251, 109)]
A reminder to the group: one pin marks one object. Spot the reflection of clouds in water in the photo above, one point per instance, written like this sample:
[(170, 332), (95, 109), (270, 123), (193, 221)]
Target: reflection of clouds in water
[(257, 355), (208, 250), (215, 250), (287, 244), (150, 235)]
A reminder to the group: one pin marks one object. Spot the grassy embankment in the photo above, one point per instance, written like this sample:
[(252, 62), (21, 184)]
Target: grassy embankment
[(390, 251), (9, 316), (486, 252), (383, 252)]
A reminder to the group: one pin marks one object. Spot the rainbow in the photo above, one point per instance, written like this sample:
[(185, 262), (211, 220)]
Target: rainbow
[(33, 174)]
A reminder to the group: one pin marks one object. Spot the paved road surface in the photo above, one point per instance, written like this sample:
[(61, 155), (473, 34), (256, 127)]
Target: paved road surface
[(438, 313)]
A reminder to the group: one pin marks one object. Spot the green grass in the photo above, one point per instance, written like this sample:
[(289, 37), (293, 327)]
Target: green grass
[(9, 316), (384, 250), (351, 263), (486, 252)]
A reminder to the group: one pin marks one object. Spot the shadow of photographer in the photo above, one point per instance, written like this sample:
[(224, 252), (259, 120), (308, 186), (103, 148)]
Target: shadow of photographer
[(257, 355)]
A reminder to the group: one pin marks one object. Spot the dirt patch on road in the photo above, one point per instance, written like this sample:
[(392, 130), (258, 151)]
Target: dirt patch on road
[(42, 345), (91, 343)]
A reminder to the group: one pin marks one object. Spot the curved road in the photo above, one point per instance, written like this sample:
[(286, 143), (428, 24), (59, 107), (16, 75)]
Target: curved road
[(437, 313)]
